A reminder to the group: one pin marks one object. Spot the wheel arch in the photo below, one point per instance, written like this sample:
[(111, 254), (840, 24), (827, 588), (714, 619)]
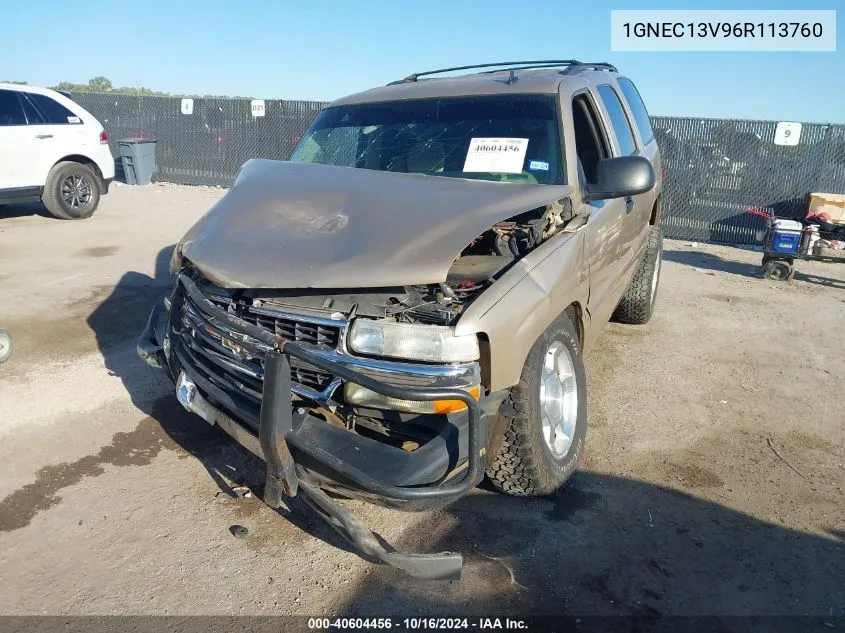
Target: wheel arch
[(656, 211), (512, 314), (88, 162), (575, 312), (489, 379)]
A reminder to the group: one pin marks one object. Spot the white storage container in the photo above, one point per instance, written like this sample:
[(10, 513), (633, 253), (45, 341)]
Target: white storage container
[(788, 225)]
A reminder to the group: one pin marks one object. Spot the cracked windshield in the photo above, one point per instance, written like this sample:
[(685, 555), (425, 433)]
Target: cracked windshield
[(507, 139)]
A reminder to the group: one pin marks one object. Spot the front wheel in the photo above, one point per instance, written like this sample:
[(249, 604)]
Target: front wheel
[(545, 417), (72, 191)]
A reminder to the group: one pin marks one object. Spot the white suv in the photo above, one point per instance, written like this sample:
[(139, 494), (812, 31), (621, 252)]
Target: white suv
[(51, 150)]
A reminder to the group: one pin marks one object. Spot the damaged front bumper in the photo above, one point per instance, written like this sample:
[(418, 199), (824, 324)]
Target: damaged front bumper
[(303, 452)]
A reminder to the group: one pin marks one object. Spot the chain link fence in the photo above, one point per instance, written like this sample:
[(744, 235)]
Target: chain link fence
[(208, 146), (715, 168)]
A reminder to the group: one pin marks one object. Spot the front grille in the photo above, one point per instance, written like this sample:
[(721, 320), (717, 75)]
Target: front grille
[(207, 348), (308, 375), (297, 329), (294, 330)]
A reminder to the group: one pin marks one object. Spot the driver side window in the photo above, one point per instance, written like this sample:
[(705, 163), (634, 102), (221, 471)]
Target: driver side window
[(591, 144)]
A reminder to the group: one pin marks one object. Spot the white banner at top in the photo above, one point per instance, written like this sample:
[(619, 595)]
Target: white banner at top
[(723, 30)]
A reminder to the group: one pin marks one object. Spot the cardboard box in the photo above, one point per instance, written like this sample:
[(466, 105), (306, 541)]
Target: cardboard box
[(831, 203)]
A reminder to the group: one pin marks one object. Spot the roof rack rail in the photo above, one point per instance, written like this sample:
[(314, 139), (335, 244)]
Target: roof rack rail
[(590, 66), (570, 66)]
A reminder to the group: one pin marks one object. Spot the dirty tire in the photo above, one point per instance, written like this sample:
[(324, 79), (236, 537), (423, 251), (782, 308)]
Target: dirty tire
[(778, 270), (53, 198), (5, 346), (524, 464), (637, 304)]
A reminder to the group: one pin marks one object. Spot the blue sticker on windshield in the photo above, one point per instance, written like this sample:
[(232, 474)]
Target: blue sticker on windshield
[(538, 165)]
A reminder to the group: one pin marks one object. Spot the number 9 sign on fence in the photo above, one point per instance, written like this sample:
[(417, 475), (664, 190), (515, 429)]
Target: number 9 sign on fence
[(787, 133)]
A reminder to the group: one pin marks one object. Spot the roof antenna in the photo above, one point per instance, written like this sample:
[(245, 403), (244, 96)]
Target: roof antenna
[(512, 76)]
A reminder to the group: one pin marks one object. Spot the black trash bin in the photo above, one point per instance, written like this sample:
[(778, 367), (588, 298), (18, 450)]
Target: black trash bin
[(138, 157)]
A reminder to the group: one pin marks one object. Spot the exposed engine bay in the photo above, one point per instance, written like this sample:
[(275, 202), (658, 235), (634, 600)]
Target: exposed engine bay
[(483, 261)]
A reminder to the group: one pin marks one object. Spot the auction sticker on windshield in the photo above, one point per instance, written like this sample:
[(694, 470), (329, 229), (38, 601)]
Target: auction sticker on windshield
[(496, 155)]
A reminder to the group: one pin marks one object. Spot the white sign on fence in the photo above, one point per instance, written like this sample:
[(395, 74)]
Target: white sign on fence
[(187, 106), (787, 133), (257, 106)]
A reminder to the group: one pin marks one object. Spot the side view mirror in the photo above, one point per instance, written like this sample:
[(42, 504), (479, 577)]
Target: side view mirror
[(621, 177)]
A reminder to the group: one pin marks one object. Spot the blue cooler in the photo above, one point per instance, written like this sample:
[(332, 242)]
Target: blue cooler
[(786, 236)]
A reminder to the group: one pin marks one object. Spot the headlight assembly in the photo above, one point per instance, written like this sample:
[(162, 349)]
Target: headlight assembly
[(409, 341)]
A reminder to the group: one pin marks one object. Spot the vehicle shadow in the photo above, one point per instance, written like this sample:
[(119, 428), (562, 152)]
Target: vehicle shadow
[(21, 210), (709, 261), (610, 545), (117, 322)]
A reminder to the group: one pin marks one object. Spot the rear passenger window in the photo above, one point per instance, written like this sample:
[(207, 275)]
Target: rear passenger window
[(33, 116), (11, 112), (635, 102), (52, 111), (618, 119)]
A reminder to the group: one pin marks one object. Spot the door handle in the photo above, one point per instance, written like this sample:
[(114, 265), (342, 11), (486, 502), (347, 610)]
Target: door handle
[(43, 136), (629, 205)]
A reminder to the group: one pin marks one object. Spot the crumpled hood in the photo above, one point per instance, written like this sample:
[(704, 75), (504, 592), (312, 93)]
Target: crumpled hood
[(297, 225)]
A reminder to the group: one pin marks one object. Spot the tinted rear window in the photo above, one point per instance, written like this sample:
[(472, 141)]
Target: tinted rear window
[(635, 102), (11, 112), (52, 111), (33, 115)]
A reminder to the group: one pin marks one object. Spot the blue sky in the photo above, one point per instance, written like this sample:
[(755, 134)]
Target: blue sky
[(323, 50)]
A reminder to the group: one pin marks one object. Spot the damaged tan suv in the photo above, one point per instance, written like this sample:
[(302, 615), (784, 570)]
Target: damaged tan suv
[(404, 305)]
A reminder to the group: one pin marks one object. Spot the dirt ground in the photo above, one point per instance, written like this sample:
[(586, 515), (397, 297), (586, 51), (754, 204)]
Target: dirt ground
[(713, 481)]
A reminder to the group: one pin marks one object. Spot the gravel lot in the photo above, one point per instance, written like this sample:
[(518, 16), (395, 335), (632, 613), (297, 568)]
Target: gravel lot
[(713, 481)]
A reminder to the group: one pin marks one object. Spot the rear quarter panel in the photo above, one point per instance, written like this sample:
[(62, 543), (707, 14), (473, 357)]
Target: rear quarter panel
[(82, 140)]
